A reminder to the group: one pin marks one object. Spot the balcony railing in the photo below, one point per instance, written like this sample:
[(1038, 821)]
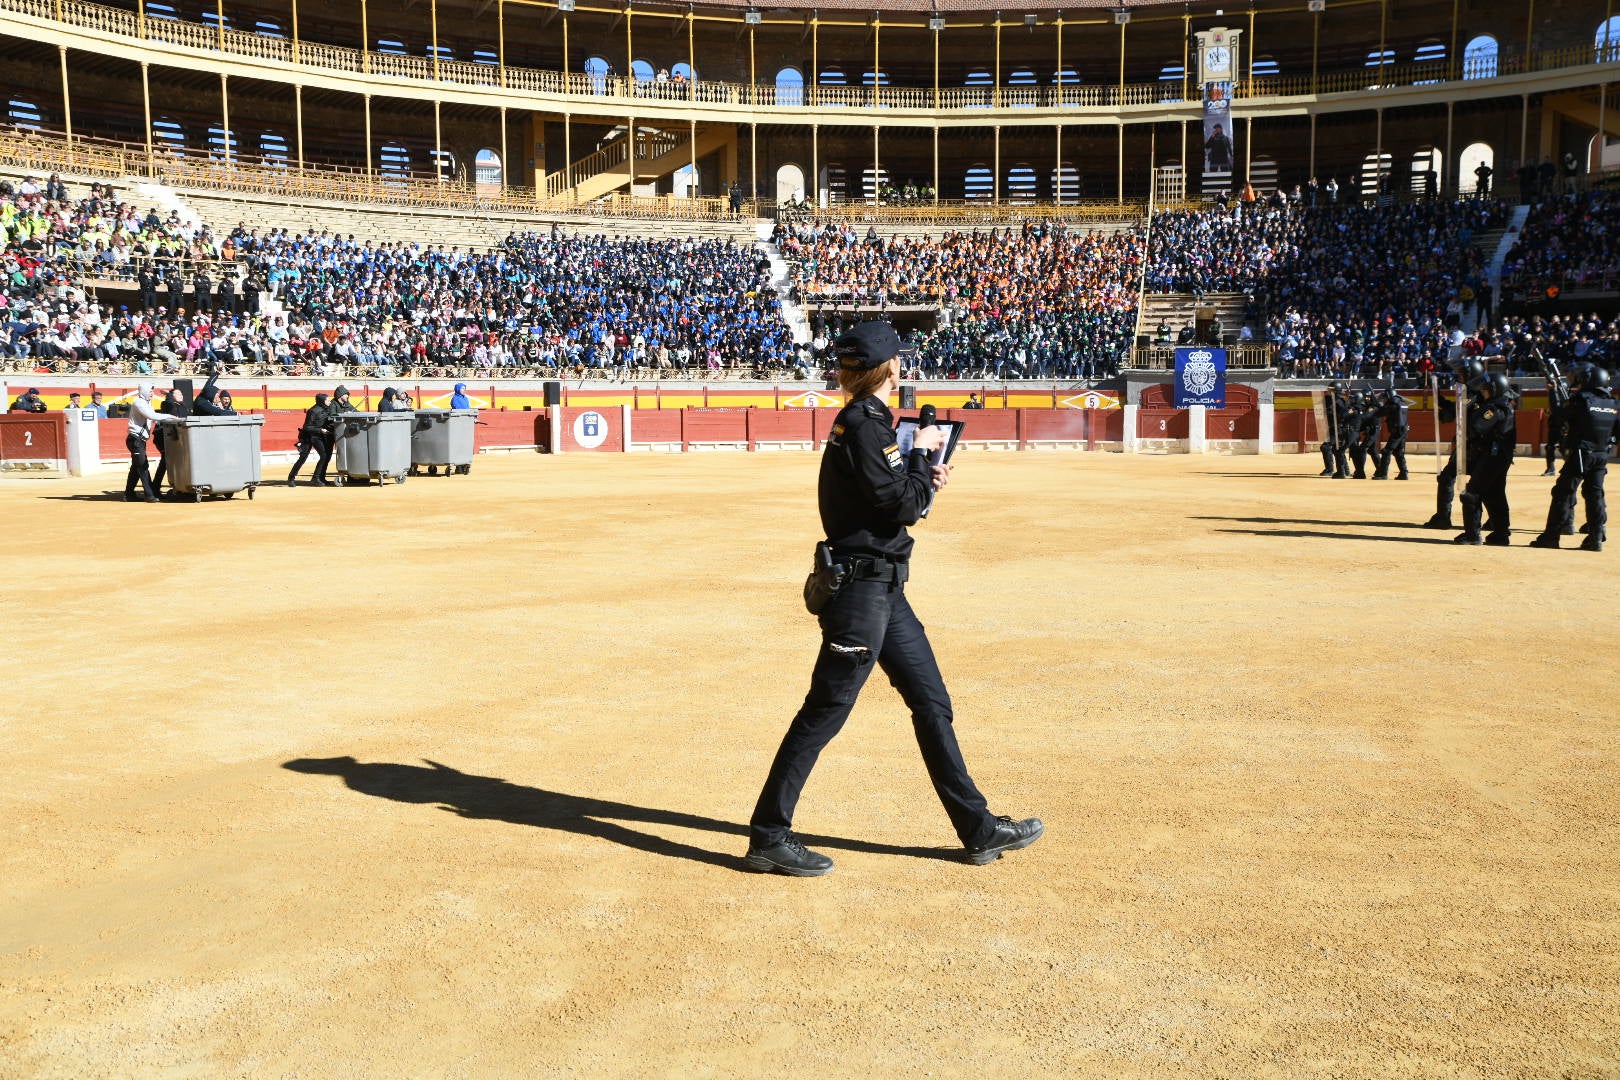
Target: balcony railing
[(628, 89)]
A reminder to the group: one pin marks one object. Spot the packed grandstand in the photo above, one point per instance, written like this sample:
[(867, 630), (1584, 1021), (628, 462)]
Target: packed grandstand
[(1376, 289)]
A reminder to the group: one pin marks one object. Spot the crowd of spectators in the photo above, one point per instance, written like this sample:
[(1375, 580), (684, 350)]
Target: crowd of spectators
[(1342, 291), (550, 304), (1567, 242), (1041, 301)]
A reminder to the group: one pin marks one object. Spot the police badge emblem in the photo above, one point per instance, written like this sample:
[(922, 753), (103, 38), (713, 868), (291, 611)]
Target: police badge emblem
[(1199, 373)]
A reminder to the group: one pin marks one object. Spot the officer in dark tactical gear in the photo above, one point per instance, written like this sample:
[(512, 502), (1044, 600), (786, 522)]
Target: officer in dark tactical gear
[(316, 435), (1392, 412), (1587, 424), (1336, 403), (869, 491), (1491, 442), (1446, 482), (1364, 436)]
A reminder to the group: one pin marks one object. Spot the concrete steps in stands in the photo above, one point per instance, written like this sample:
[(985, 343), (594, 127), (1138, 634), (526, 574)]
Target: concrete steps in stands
[(1505, 239), (1181, 309)]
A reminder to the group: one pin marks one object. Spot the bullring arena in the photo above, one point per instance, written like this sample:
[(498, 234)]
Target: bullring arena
[(451, 776)]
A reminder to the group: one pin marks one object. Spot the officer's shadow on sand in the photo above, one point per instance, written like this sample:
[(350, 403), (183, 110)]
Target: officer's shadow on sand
[(1311, 521), (470, 796)]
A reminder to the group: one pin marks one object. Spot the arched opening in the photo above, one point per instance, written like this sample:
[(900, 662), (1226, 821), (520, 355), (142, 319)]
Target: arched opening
[(273, 149), (642, 71), (1479, 58), (1606, 42), (682, 70), (979, 183), (1022, 184), (1022, 81), (871, 181), (268, 28), (1469, 179), (790, 86), (445, 52), (789, 183), (834, 184), (1263, 175), (1379, 59), (211, 19), (871, 78), (1375, 173), (1602, 154), (158, 10), (487, 169), (1427, 175), (683, 182), (1063, 80), (982, 86), (832, 75), (483, 54), (394, 161), (391, 47), (24, 113), (1171, 77), (1265, 67), (445, 167), (598, 70), (221, 142), (168, 134), (1066, 182)]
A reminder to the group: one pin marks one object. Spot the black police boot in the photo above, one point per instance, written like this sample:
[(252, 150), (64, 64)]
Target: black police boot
[(1380, 476), (1548, 471), (1439, 521), (1325, 472), (1010, 835), (1498, 539), (1468, 538), (1591, 543), (1403, 476), (1546, 540), (789, 856), (1358, 476)]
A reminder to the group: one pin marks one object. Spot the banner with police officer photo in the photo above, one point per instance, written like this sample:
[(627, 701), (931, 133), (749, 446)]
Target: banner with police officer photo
[(1201, 377)]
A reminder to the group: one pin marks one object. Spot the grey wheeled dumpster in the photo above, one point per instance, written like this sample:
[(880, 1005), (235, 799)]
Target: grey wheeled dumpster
[(372, 446), (443, 437), (214, 455)]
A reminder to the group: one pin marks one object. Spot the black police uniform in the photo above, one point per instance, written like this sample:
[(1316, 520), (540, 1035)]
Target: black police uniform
[(1491, 442), (315, 434), (1396, 426), (868, 493), (1334, 463), (1588, 421), (1364, 437)]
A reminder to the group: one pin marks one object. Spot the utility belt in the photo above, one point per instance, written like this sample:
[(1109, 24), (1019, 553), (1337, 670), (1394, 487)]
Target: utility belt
[(829, 575)]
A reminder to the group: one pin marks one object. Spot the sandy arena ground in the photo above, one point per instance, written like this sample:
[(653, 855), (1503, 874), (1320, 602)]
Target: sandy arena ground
[(449, 779)]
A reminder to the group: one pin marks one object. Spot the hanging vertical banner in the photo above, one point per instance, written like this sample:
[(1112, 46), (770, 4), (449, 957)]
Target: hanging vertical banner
[(1217, 135), (1201, 378)]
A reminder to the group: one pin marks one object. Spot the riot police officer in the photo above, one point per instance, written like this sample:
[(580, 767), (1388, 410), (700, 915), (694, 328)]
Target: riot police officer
[(1446, 481), (1491, 443), (869, 491), (1392, 411), (314, 434), (1336, 403), (1364, 435), (1588, 425)]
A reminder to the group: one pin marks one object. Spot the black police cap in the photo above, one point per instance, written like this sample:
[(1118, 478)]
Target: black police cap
[(866, 346)]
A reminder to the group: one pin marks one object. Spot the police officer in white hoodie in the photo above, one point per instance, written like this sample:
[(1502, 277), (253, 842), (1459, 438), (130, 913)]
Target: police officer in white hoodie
[(142, 417)]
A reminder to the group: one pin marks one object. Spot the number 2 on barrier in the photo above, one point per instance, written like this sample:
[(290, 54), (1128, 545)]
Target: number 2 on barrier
[(28, 438)]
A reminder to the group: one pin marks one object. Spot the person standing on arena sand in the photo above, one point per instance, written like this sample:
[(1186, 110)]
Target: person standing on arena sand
[(868, 493), (142, 418)]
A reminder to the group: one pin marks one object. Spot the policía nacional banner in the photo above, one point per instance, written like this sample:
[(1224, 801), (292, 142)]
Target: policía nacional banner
[(1201, 377), (1217, 135)]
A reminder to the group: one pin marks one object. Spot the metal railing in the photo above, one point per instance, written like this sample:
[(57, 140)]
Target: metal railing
[(1163, 357), (249, 45)]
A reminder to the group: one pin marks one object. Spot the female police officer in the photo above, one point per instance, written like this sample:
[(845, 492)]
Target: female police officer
[(869, 492)]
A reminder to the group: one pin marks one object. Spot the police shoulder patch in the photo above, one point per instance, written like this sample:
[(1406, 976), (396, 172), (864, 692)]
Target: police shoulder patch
[(892, 452)]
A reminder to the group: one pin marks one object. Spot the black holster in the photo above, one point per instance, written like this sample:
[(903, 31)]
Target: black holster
[(827, 578)]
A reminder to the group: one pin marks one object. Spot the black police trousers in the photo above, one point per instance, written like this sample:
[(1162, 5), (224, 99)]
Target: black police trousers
[(1333, 459), (1589, 482), (1446, 489), (137, 467), (1487, 492), (322, 444), (871, 622), (1395, 448)]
